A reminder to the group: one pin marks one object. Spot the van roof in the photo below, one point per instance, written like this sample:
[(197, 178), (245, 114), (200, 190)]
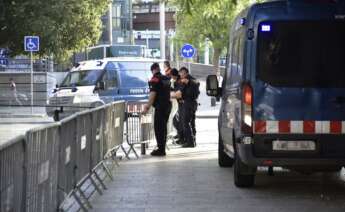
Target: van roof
[(99, 64)]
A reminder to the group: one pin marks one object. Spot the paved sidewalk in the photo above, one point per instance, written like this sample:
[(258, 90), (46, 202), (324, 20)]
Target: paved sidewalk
[(190, 180), (205, 110), (10, 128), (22, 112)]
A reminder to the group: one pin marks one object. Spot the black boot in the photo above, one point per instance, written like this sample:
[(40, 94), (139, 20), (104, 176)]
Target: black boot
[(158, 152), (189, 145), (180, 141)]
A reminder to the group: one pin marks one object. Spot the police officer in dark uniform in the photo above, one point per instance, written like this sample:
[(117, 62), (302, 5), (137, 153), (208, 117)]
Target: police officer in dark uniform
[(188, 94), (159, 98), (176, 84)]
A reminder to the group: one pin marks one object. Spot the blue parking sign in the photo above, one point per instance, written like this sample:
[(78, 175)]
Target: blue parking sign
[(31, 43), (187, 51)]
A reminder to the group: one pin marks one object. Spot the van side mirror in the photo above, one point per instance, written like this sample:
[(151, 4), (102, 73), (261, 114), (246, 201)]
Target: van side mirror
[(212, 88), (101, 85)]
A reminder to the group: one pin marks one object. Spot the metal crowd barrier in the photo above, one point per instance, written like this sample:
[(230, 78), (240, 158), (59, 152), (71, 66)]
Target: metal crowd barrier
[(12, 175), (39, 170), (138, 127)]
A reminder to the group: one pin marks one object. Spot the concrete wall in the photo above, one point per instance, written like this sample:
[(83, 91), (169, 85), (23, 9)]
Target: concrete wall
[(43, 84), (199, 71)]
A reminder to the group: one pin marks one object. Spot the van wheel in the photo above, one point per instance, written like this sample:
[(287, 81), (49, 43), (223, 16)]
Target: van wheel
[(243, 180), (223, 159)]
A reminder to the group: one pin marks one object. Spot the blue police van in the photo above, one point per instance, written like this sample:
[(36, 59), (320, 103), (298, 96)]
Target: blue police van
[(283, 93), (93, 83)]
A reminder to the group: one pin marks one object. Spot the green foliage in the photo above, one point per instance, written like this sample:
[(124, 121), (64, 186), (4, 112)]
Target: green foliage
[(64, 26), (211, 19)]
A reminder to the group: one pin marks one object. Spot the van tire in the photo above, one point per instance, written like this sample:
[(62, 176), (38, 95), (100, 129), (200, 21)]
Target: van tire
[(223, 159), (242, 180)]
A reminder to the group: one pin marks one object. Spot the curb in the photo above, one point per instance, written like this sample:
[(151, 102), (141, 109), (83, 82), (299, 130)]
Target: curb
[(22, 115)]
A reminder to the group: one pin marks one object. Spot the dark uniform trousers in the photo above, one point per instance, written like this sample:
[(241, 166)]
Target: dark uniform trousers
[(177, 121), (161, 118), (188, 121)]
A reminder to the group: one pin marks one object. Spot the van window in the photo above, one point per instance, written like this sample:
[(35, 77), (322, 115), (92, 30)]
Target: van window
[(234, 66), (110, 78), (133, 74), (81, 78), (302, 53)]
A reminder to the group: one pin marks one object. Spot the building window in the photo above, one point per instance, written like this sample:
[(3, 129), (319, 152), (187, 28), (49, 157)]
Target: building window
[(116, 23), (116, 11)]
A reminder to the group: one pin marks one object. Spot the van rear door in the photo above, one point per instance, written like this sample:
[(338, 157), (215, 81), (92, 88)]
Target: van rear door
[(299, 84)]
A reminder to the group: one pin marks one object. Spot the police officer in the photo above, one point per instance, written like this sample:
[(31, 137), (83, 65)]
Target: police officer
[(159, 98), (175, 86), (167, 69), (188, 94)]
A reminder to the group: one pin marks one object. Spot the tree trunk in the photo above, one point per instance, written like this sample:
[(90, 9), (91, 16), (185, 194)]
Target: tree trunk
[(215, 60)]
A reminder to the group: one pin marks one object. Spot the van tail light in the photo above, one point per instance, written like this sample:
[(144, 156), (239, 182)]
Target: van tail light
[(247, 108)]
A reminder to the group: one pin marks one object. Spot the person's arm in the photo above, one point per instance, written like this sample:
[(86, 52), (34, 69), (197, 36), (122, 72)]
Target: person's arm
[(176, 95), (152, 98)]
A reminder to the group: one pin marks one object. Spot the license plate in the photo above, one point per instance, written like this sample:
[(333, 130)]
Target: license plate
[(293, 145)]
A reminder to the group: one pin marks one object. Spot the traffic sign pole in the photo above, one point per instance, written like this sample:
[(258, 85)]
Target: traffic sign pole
[(32, 83), (189, 62), (31, 44), (188, 52)]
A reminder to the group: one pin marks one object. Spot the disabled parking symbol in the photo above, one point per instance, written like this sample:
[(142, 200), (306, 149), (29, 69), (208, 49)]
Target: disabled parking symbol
[(31, 43)]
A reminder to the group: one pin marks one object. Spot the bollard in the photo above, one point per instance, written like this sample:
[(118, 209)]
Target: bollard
[(213, 101), (56, 115), (143, 149)]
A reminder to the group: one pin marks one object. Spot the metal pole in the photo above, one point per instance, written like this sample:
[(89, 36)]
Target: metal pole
[(31, 82), (147, 39), (162, 28), (207, 52), (110, 23), (189, 61), (131, 37), (172, 49)]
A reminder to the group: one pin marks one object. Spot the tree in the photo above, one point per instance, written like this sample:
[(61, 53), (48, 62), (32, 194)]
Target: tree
[(64, 26), (198, 20)]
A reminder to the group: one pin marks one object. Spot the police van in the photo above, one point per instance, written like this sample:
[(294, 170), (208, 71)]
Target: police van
[(283, 93), (96, 82)]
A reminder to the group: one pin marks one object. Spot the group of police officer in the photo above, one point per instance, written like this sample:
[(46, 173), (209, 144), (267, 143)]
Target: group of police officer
[(179, 85)]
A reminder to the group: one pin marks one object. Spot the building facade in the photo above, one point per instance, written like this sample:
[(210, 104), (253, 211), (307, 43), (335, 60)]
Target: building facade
[(118, 23), (146, 29)]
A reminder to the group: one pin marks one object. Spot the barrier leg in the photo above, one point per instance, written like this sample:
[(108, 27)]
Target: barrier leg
[(107, 171), (143, 148), (115, 160), (126, 153), (95, 184), (84, 197), (99, 179), (131, 148), (82, 206), (114, 157)]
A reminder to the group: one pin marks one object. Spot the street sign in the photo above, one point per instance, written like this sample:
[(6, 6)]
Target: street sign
[(3, 57), (187, 51), (31, 43)]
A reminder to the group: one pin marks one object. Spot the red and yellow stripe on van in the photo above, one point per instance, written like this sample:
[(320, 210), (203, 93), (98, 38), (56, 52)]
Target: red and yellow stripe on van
[(299, 127)]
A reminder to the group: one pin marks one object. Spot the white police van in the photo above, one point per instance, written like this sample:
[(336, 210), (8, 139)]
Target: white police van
[(96, 82)]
